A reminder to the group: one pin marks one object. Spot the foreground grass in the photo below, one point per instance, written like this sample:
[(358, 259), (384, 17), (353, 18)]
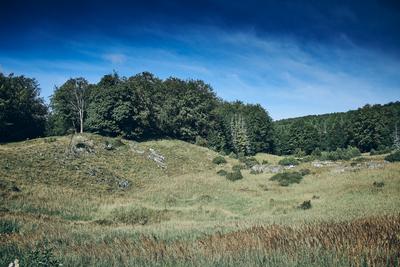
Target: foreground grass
[(186, 214)]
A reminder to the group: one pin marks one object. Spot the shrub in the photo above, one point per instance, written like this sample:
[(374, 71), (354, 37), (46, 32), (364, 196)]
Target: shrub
[(240, 155), (9, 227), (305, 205), (341, 154), (378, 184), (200, 141), (394, 156), (250, 162), (113, 143), (41, 257), (222, 173), (287, 178), (304, 172), (299, 153), (233, 155), (316, 152), (50, 140), (135, 215), (264, 162), (219, 160), (237, 167), (308, 158), (288, 161), (234, 176)]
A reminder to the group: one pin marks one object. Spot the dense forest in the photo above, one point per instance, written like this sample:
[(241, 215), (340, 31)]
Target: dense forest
[(144, 107), (367, 128)]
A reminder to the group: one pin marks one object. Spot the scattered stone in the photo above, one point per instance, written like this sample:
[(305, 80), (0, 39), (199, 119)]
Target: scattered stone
[(14, 188), (135, 148), (123, 184), (157, 158), (261, 168), (320, 164), (289, 167)]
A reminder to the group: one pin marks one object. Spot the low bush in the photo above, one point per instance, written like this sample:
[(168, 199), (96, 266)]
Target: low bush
[(287, 178), (233, 155), (41, 257), (238, 167), (264, 162), (201, 141), (288, 161), (305, 205), (234, 176), (9, 226), (219, 160), (304, 172), (222, 173), (113, 143), (249, 161), (138, 215), (341, 154), (394, 156), (378, 184)]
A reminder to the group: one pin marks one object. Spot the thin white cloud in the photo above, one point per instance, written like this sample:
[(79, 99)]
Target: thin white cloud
[(116, 58)]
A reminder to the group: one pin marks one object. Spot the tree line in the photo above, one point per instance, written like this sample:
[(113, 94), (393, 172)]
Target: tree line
[(144, 107), (372, 127), (140, 107)]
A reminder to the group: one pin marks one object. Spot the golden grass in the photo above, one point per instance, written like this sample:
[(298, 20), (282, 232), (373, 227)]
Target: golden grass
[(215, 220)]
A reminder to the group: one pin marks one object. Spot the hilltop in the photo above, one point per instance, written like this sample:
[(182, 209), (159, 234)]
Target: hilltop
[(89, 193)]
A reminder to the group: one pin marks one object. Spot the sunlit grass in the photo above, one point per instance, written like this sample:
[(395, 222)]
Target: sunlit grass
[(92, 222)]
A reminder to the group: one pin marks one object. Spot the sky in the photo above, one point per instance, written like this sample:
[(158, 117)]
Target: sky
[(294, 58)]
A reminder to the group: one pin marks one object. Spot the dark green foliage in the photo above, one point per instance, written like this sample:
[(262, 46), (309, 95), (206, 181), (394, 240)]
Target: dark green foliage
[(238, 167), (248, 128), (264, 162), (370, 127), (200, 141), (305, 205), (287, 178), (41, 257), (234, 176), (304, 172), (233, 155), (9, 226), (22, 112), (219, 160), (222, 173), (394, 156), (288, 161), (378, 184), (120, 107), (341, 154), (249, 161)]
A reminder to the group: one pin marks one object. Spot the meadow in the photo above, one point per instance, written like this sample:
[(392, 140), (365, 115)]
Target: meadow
[(109, 203)]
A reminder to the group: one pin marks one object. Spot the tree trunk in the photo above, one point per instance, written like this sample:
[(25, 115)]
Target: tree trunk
[(81, 120)]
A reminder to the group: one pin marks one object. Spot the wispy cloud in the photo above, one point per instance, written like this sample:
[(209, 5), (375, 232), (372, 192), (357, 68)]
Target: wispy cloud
[(116, 58), (288, 77)]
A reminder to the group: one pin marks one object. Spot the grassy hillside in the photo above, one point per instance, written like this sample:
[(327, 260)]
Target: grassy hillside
[(102, 201)]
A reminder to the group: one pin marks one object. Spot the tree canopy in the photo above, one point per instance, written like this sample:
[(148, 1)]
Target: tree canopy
[(22, 112)]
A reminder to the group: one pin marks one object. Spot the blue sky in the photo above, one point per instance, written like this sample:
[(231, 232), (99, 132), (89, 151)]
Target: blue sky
[(293, 57)]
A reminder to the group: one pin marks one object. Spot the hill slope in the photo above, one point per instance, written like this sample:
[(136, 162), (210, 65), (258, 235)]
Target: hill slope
[(93, 197)]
